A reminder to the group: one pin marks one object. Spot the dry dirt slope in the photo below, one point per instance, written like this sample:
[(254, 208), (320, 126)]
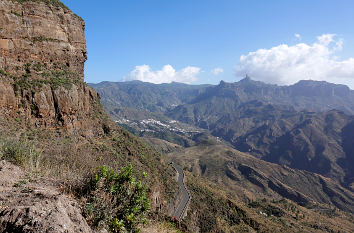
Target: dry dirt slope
[(28, 205), (235, 192)]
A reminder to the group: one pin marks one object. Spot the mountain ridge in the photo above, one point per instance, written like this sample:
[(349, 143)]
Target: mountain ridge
[(282, 124)]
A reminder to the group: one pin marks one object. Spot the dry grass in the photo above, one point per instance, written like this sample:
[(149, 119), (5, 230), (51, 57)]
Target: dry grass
[(70, 158), (160, 227)]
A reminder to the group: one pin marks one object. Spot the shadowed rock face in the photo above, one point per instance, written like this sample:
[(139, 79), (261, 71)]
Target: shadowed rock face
[(40, 32)]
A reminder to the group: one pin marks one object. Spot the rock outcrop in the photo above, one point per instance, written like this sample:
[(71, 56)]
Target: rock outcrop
[(35, 206)]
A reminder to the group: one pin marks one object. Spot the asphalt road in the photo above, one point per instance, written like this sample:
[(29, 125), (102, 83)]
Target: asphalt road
[(184, 192)]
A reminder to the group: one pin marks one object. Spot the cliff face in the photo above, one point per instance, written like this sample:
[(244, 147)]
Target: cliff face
[(36, 31), (42, 55), (44, 99)]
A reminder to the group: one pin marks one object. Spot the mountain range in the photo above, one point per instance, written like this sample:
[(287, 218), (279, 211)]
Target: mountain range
[(306, 126), (66, 166)]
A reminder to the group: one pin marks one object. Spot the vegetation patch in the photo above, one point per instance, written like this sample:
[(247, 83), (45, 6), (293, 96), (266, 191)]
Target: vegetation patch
[(267, 209), (117, 201), (2, 72), (55, 78), (20, 152), (43, 39), (56, 3), (15, 13)]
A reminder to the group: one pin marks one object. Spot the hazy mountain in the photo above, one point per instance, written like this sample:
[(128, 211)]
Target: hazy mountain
[(145, 96), (311, 95), (271, 122)]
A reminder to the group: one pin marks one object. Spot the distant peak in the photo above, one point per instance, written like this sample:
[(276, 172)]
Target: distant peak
[(246, 79), (224, 84)]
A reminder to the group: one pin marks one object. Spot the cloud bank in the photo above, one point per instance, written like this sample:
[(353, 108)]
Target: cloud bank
[(286, 64), (166, 75), (217, 71)]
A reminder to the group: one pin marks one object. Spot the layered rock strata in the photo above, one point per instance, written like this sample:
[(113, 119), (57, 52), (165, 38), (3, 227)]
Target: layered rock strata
[(42, 56), (35, 31)]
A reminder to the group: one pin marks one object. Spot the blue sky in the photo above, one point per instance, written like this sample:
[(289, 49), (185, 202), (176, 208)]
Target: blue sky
[(195, 37)]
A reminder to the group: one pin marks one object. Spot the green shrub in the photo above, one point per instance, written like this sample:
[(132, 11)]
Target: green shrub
[(3, 72), (56, 3), (21, 153), (116, 201)]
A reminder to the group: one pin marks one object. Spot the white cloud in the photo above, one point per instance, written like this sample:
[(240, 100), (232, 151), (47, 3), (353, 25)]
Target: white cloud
[(286, 64), (298, 36), (217, 71), (166, 75)]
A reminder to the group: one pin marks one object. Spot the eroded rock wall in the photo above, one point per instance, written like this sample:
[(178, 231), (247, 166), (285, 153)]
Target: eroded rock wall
[(42, 56), (34, 31)]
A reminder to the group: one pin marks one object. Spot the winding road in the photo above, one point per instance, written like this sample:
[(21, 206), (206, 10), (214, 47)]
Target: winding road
[(185, 195)]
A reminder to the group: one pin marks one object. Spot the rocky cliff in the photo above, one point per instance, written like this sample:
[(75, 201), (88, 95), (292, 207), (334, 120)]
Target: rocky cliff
[(52, 122), (42, 55), (41, 32)]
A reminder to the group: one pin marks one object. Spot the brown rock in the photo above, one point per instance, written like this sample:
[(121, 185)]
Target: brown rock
[(37, 32), (44, 101), (35, 206), (7, 96)]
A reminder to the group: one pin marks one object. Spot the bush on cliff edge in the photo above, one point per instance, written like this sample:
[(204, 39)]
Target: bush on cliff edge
[(116, 201)]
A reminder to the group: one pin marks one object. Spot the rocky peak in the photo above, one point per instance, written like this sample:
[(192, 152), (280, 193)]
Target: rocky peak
[(246, 79)]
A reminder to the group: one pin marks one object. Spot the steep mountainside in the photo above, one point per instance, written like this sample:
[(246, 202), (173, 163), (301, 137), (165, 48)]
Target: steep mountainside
[(52, 122), (214, 210), (235, 192), (303, 140), (43, 50), (247, 178), (44, 31)]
